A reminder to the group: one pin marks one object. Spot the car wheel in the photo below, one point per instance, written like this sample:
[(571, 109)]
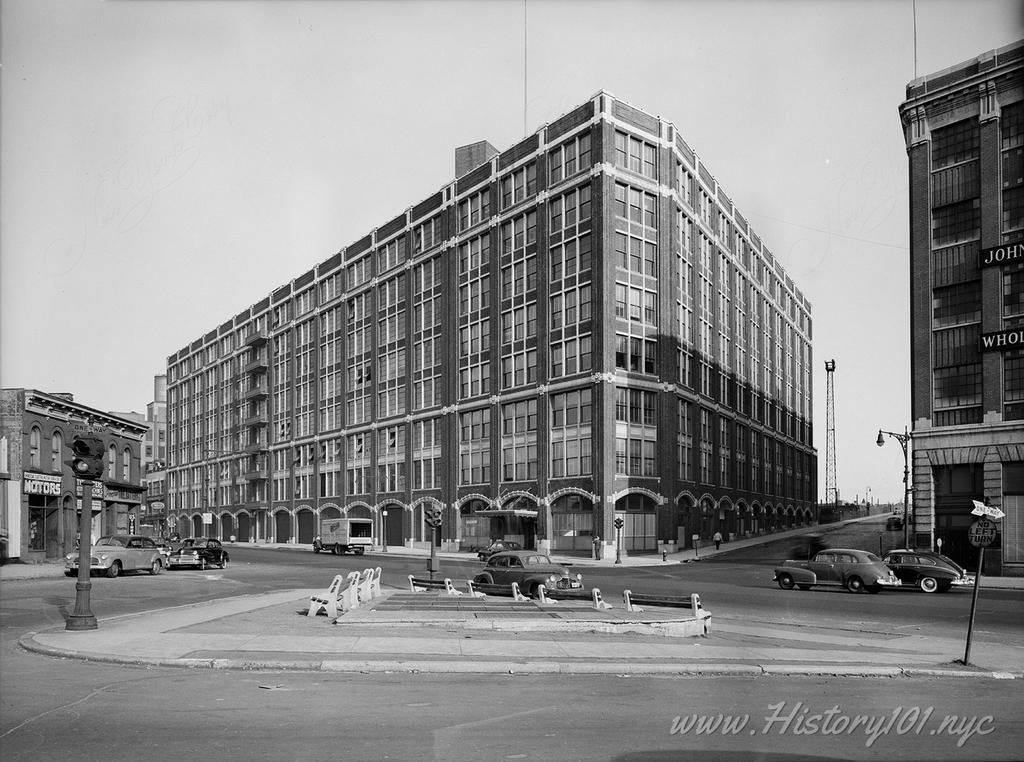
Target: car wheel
[(529, 589), (786, 581), (223, 560), (485, 579), (338, 550), (114, 570), (156, 567), (855, 584), (360, 551), (804, 587), (316, 548), (928, 584)]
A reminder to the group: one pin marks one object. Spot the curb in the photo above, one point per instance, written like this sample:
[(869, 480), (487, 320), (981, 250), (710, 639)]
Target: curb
[(623, 669)]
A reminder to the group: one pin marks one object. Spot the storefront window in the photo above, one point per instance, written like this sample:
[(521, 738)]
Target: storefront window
[(36, 530)]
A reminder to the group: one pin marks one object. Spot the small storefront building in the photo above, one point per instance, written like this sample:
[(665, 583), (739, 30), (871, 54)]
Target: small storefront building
[(40, 498)]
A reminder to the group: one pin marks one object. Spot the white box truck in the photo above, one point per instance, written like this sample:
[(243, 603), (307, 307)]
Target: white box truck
[(344, 535)]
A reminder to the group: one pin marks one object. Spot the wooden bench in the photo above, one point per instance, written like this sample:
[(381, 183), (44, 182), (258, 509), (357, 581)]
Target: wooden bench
[(483, 589), (546, 596), (369, 585), (334, 597), (632, 600), (418, 585)]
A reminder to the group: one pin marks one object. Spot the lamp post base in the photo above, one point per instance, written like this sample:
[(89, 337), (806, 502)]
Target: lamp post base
[(81, 622)]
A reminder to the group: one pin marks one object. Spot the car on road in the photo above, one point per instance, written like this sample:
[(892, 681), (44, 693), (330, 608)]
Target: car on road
[(497, 546), (855, 570), (893, 523), (199, 552), (166, 548), (529, 569), (118, 553), (927, 570)]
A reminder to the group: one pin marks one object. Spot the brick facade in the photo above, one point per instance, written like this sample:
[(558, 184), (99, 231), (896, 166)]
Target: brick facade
[(581, 303)]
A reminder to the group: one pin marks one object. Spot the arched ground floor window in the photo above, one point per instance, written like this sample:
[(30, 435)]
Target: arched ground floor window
[(572, 523)]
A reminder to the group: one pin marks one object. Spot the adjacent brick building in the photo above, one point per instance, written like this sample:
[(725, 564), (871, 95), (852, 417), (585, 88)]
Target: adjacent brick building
[(40, 499), (964, 130), (578, 328)]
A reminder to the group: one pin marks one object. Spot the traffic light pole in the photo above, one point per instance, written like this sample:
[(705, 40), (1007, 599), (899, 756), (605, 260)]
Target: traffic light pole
[(82, 617), (433, 551)]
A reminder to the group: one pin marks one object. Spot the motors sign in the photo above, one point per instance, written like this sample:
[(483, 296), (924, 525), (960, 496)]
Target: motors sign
[(41, 484)]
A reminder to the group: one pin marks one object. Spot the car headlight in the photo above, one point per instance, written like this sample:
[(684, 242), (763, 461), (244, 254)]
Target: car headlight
[(579, 577), (104, 556), (552, 579)]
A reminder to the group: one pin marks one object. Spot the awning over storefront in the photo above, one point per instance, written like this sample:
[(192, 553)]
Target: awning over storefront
[(522, 512)]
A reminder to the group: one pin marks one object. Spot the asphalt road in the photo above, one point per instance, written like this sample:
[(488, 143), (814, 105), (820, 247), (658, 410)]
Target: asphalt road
[(51, 708)]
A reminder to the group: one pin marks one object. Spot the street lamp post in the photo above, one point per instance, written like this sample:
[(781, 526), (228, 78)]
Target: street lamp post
[(903, 439), (384, 530)]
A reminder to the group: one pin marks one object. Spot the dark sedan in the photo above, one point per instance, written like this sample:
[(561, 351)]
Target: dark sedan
[(497, 546), (199, 552), (927, 570), (529, 570)]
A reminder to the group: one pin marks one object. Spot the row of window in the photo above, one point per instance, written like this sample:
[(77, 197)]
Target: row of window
[(58, 455)]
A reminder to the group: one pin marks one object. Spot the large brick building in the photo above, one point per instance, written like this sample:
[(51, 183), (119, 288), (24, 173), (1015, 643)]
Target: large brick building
[(578, 328), (964, 130)]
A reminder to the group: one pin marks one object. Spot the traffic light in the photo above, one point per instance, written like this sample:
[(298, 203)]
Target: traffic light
[(619, 522), (86, 457), (432, 515)]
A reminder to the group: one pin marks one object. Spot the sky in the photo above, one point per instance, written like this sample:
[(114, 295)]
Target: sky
[(165, 165)]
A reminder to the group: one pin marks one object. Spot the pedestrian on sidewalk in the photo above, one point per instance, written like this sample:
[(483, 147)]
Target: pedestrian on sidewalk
[(718, 540)]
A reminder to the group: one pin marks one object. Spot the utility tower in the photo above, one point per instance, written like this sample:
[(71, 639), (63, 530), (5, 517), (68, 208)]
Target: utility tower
[(831, 493)]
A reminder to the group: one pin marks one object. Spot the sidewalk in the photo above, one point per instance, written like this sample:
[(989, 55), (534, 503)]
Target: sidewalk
[(430, 632)]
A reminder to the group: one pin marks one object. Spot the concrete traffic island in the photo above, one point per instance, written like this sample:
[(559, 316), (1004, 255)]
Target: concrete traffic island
[(499, 614), (272, 632)]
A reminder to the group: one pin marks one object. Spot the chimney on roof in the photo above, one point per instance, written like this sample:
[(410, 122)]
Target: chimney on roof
[(468, 158)]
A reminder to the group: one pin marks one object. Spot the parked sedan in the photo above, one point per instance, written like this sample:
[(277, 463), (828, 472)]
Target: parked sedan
[(199, 552), (497, 546), (926, 570), (839, 567), (529, 570), (893, 523), (114, 554)]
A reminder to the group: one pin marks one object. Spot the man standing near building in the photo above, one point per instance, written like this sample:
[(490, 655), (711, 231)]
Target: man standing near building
[(718, 540)]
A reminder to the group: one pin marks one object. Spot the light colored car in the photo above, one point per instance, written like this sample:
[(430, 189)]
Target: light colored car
[(530, 570), (118, 553), (856, 570)]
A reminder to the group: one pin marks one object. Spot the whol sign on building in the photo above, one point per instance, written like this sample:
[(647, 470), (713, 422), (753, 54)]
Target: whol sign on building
[(1001, 341)]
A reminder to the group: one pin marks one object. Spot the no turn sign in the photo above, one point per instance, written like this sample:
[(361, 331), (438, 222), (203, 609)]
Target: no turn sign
[(982, 533)]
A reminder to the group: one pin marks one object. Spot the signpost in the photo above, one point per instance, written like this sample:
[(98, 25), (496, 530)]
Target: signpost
[(981, 534)]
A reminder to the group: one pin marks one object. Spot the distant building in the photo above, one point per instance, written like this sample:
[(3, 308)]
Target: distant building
[(154, 462), (579, 329), (964, 131), (40, 499)]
